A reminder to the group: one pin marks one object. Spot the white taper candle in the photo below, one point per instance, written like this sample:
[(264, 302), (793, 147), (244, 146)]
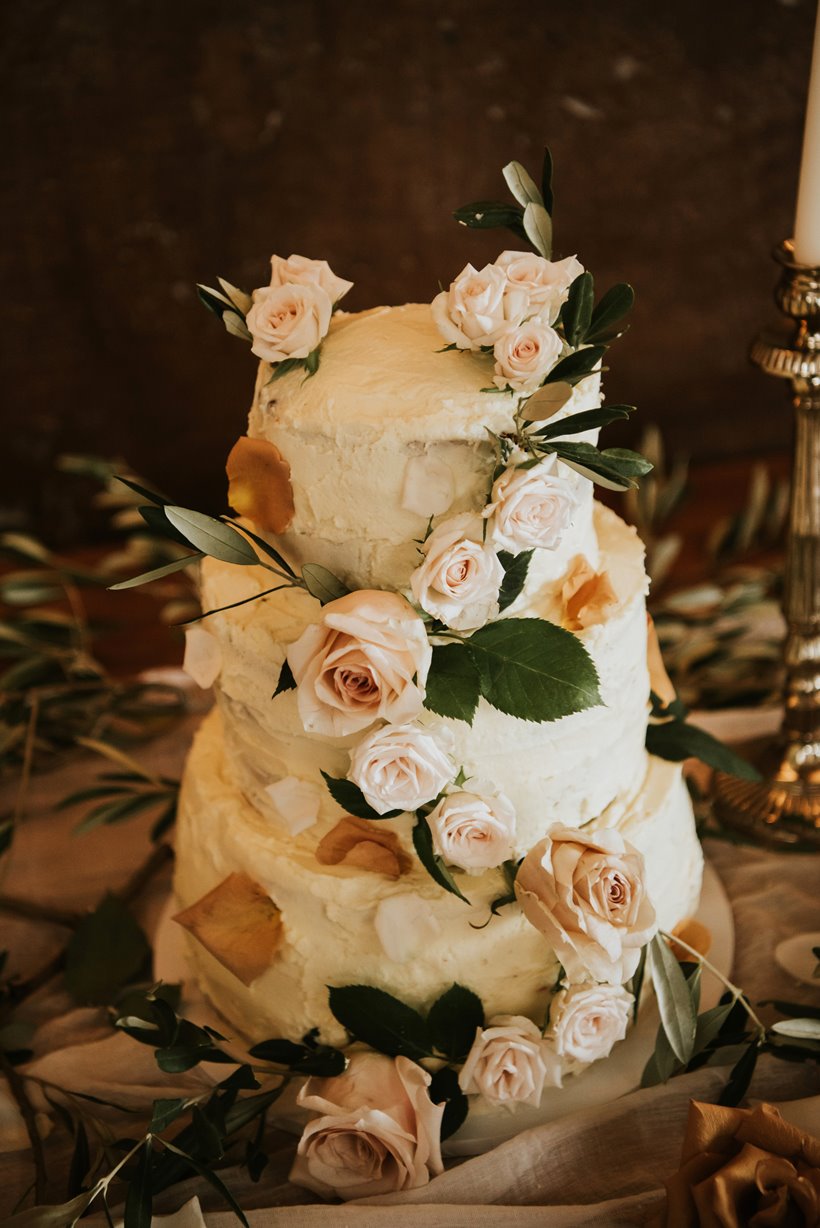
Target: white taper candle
[(807, 221)]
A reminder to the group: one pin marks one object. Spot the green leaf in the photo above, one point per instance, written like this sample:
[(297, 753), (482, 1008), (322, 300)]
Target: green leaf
[(350, 797), (614, 468), (212, 536), (63, 1216), (152, 496), (637, 982), (532, 669), (166, 1111), (577, 310), (452, 683), (521, 184), (106, 951), (610, 310), (545, 402), (452, 1021), (588, 420), (546, 182), (320, 1060), (515, 567), (322, 584), (138, 1200), (210, 1176), (286, 682), (267, 549), (741, 1077), (444, 1088), (175, 1059), (312, 362), (793, 1008), (538, 229), (240, 298), (489, 215), (662, 1064), (378, 1019), (676, 740), (119, 811), (158, 573), (674, 1001), (709, 1025), (285, 367), (433, 864), (576, 366), (800, 1029), (159, 524)]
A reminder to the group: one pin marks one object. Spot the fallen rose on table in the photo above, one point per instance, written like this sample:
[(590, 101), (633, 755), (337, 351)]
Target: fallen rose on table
[(743, 1168)]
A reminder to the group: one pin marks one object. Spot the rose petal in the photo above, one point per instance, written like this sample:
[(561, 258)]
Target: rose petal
[(203, 656), (259, 485), (297, 802), (239, 924), (365, 845), (428, 487), (588, 595), (405, 926)]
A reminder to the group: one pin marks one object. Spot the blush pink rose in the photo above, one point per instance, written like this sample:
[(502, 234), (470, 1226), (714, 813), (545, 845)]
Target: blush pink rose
[(587, 1020), (302, 271), (509, 1062), (288, 321), (378, 1132), (474, 831), (585, 893), (524, 356), (366, 658), (478, 308), (544, 283), (400, 767), (460, 578), (530, 508)]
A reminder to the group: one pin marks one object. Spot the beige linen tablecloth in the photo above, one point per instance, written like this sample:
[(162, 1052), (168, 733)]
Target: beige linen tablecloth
[(602, 1166)]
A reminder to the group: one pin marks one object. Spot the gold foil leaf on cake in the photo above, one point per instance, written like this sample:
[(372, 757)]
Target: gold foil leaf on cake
[(588, 595), (659, 680), (695, 934), (259, 485), (364, 845), (239, 924)]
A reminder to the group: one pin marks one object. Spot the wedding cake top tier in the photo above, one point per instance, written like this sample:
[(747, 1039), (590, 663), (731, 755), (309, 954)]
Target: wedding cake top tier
[(391, 431)]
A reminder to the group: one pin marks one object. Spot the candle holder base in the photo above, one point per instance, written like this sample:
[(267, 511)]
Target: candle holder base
[(782, 809)]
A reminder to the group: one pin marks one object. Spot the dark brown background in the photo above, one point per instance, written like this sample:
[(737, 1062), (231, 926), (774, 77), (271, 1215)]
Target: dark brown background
[(154, 144)]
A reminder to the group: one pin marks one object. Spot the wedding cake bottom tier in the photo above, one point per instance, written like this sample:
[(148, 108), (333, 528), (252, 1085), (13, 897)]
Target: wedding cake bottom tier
[(341, 925)]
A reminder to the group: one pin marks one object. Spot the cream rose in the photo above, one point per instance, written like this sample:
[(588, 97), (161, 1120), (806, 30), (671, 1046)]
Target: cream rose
[(479, 306), (587, 1020), (530, 508), (585, 893), (367, 658), (460, 578), (400, 767), (525, 355), (544, 283), (509, 1062), (378, 1132), (301, 271), (288, 321), (473, 830)]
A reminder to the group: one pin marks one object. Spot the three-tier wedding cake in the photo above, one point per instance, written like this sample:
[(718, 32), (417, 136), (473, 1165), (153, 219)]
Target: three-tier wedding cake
[(423, 798)]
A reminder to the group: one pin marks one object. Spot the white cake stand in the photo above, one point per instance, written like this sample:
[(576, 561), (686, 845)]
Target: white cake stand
[(488, 1125)]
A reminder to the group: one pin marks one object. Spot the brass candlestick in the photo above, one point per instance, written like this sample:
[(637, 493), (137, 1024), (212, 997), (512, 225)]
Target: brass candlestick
[(784, 807)]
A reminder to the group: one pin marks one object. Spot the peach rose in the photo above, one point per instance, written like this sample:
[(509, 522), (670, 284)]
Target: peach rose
[(585, 893), (302, 271), (400, 767), (478, 308), (378, 1132), (525, 355), (474, 831), (509, 1062), (530, 508), (744, 1167), (460, 578), (544, 282), (587, 1020), (366, 658), (288, 321)]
